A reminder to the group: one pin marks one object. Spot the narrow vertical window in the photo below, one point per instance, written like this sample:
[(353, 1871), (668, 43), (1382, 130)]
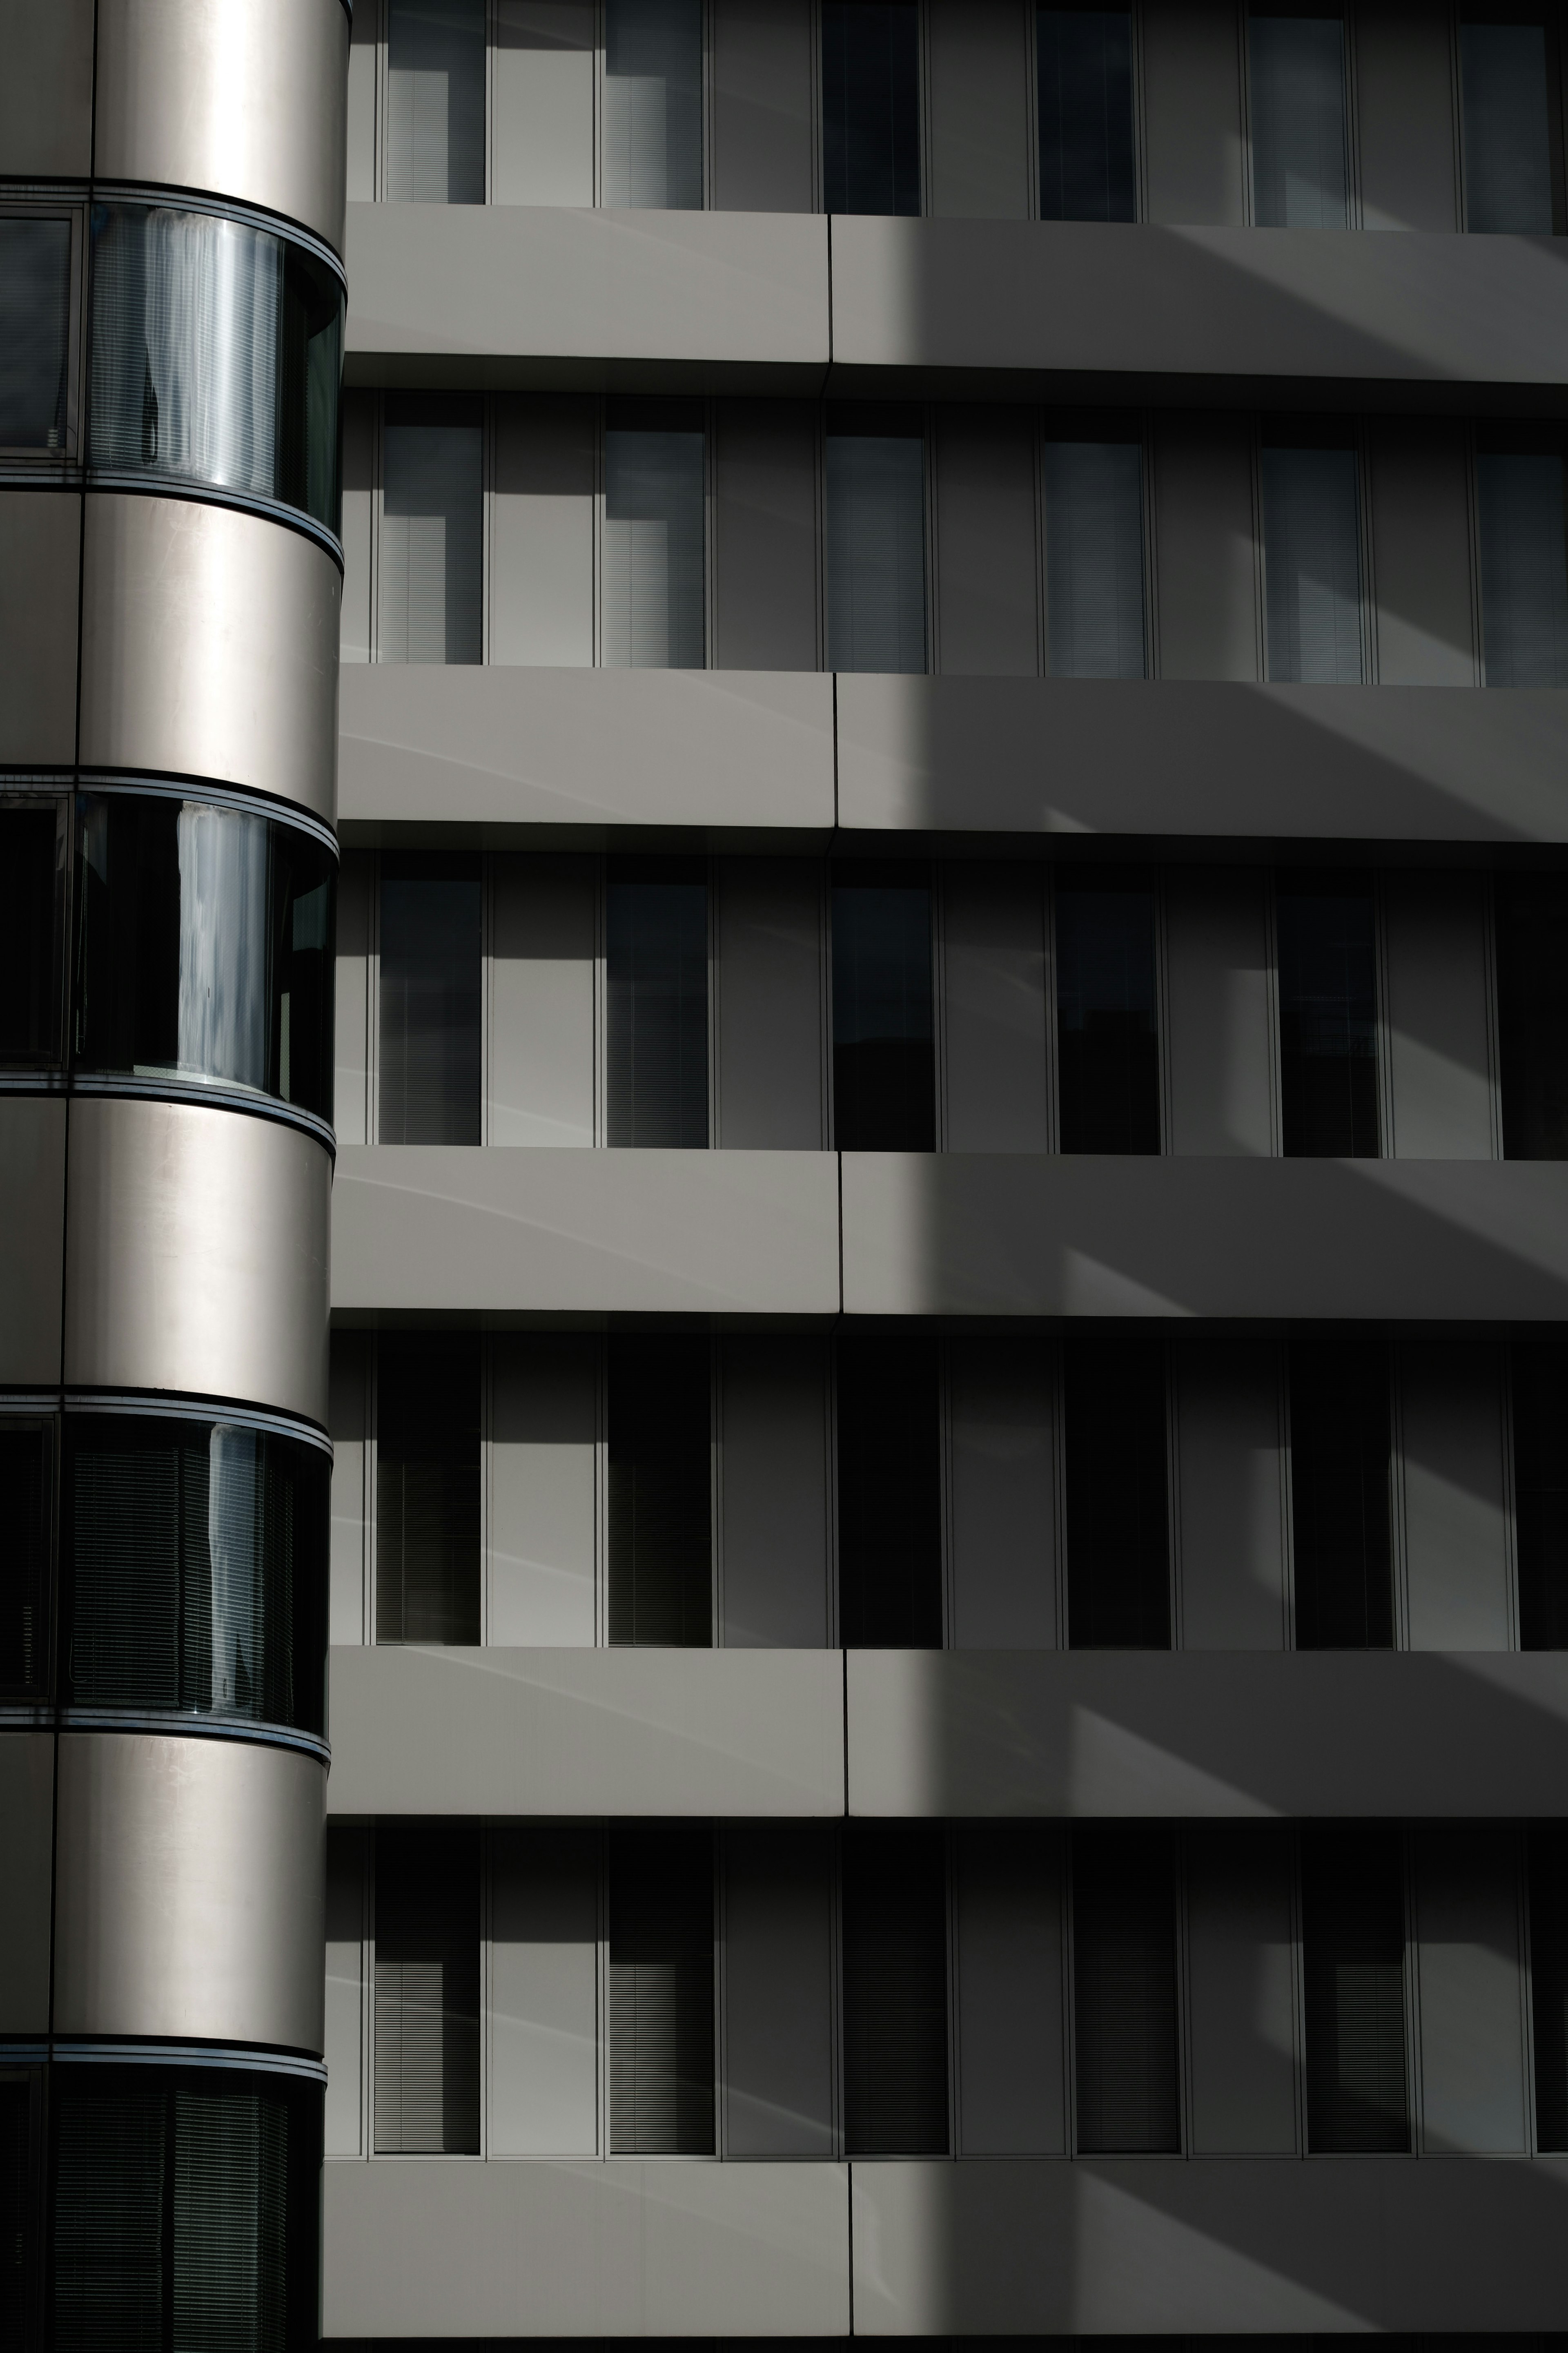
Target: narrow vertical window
[(1118, 1572), (29, 916), (890, 1495), (1339, 1450), (1549, 1980), (884, 1054), (655, 536), (895, 1990), (16, 2209), (26, 1485), (34, 334), (653, 104), (660, 1449), (1094, 558), (432, 530), (657, 957), (1532, 1014), (428, 1490), (436, 102), (1296, 66), (876, 539), (1328, 1017), (1539, 1380), (1085, 59), (1108, 1034), (1311, 561), (661, 1992), (1524, 566), (1353, 1923), (1506, 107), (871, 106), (1124, 1993), (428, 1082), (428, 1988)]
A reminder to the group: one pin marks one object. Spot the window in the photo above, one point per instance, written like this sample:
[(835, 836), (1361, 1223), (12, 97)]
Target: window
[(428, 1988), (661, 1477), (1296, 75), (31, 858), (653, 104), (876, 539), (655, 536), (428, 1490), (27, 1484), (435, 101), (1311, 561), (432, 530), (1507, 128), (34, 335), (1125, 1993), (1119, 1574), (661, 1991), (884, 1054), (1538, 1371), (1549, 1980), (895, 1990), (18, 2226), (1094, 558), (429, 1000), (889, 1494), (1107, 1034), (1328, 1017), (657, 959), (1340, 1451), (1525, 565), (1532, 1014), (870, 106), (1354, 1933), (1085, 58)]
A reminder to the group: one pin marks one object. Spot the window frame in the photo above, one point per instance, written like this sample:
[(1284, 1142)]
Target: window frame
[(23, 465)]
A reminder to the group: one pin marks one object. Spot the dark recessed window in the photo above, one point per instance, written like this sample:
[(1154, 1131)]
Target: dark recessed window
[(876, 538), (657, 959), (1125, 1993), (1119, 1573), (30, 903), (1523, 563), (1506, 74), (1539, 1380), (655, 536), (428, 1988), (1354, 1933), (1296, 66), (884, 1054), (27, 1509), (431, 605), (34, 334), (653, 104), (895, 1990), (431, 994), (1549, 1980), (871, 106), (889, 1494), (435, 101), (427, 1489), (1086, 114), (1106, 1029), (661, 1991), (1311, 563), (661, 1477), (1328, 1017), (1340, 1451), (1532, 1014)]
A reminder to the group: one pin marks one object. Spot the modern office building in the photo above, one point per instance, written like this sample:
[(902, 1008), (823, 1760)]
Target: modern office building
[(948, 1579)]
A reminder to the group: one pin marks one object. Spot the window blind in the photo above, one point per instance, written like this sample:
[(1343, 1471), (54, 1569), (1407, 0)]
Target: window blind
[(436, 102), (895, 1990), (870, 106), (1107, 1029), (655, 537), (660, 1498), (432, 531), (657, 972), (427, 1489), (1507, 128), (884, 1053), (1339, 1457), (889, 1494), (1328, 1017), (1296, 70), (1354, 1925), (653, 104), (428, 1988), (1085, 60), (16, 2210), (1119, 1575), (431, 989), (661, 1991), (1125, 1993)]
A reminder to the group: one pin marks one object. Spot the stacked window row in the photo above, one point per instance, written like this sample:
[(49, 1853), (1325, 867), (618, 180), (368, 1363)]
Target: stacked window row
[(1339, 1491), (814, 1990)]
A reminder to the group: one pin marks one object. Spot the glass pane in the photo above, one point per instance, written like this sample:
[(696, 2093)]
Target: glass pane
[(35, 333), (654, 538), (1313, 564), (884, 1058), (1094, 558), (661, 1474), (1532, 1014), (228, 2233), (430, 1001), (432, 533), (1124, 1993), (427, 1930), (890, 1495), (428, 1490), (1297, 76), (1107, 1035), (1328, 1019), (895, 1990), (1549, 1980), (25, 1518), (1119, 1573), (661, 1992), (1524, 567), (876, 552), (1086, 115), (657, 958), (870, 106), (653, 104), (1507, 128), (1538, 1371), (29, 901), (436, 102), (16, 2226), (1340, 1448), (1353, 1909)]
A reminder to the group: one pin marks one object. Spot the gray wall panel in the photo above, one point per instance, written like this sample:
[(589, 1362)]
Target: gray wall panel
[(46, 91), (1241, 1992), (40, 551), (762, 107), (360, 180), (543, 1993), (354, 640), (987, 583), (1472, 2025), (1421, 554), (32, 1235), (541, 102), (1455, 1521), (778, 1963), (995, 1057), (541, 532), (347, 1925), (1434, 932), (544, 1498), (1405, 114), (1195, 162), (543, 943), (1231, 1493), (1008, 1993), (775, 1502), (351, 1032), (978, 104), (348, 1425), (27, 1856), (1001, 1499), (1205, 563), (770, 985), (765, 603), (1219, 1016)]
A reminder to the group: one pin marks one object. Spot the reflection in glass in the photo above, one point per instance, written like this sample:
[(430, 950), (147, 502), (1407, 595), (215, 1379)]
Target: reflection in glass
[(430, 1000), (35, 333), (657, 966), (653, 104), (1296, 70), (1119, 1566), (1531, 933), (1538, 1385), (1086, 114), (1352, 1902), (1524, 567), (436, 102), (1312, 565), (870, 106), (1094, 558), (1340, 1445), (1507, 129), (428, 1490), (661, 1990), (654, 531), (876, 549), (1328, 1018), (29, 903), (432, 531), (25, 1506), (1108, 1034), (205, 947), (216, 352), (1125, 1993), (888, 1400), (660, 1481), (884, 1055)]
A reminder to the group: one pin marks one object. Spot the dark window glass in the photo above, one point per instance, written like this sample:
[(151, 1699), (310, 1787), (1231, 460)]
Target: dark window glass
[(884, 1057), (1125, 1993), (1119, 1579), (876, 539), (428, 1490), (656, 944), (435, 101), (1328, 1018), (661, 1992), (1504, 84), (1549, 1980), (1311, 562), (430, 1000), (195, 1569), (1086, 114), (16, 2220), (662, 1544), (1524, 566), (653, 544), (34, 333), (890, 1495), (431, 605), (1354, 1921), (653, 104), (205, 948), (870, 106), (1340, 1448), (1093, 494), (29, 911), (217, 354), (1296, 66), (1532, 1014), (428, 1988), (25, 1516), (895, 1990), (1107, 1035), (1540, 1384)]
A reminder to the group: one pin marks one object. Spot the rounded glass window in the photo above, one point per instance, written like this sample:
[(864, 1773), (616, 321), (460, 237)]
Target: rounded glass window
[(205, 944), (217, 354), (194, 1574)]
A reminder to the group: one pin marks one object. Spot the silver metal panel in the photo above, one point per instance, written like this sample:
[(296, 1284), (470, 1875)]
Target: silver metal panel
[(978, 102), (40, 551), (766, 556), (188, 1890), (1196, 158), (1404, 115), (541, 102), (1012, 2074), (775, 1493), (1421, 554), (543, 1993), (987, 585), (769, 989), (1452, 1449), (1001, 1494), (995, 1059), (1241, 1994), (541, 531), (1207, 572), (45, 90), (763, 104), (243, 98), (1471, 2011), (1436, 949), (1219, 1017), (543, 941), (32, 1235), (1230, 1494), (348, 1926), (778, 1964), (544, 1491), (210, 646), (26, 1854), (197, 1254)]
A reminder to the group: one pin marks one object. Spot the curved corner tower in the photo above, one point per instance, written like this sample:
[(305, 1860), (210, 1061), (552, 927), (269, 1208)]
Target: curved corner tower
[(171, 231)]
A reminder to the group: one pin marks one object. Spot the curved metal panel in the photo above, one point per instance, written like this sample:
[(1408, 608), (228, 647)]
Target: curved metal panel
[(242, 97), (197, 1254), (32, 1222), (209, 647), (188, 1890)]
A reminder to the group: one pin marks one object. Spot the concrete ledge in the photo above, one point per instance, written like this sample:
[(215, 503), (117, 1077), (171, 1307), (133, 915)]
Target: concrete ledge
[(587, 1731), (31, 1236), (502, 1231), (444, 2247), (1207, 1735)]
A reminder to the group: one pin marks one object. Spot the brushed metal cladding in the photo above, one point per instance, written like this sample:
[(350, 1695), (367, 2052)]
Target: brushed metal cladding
[(26, 1844), (209, 647), (31, 1236), (197, 1254), (542, 1732), (45, 90), (40, 562), (189, 1885), (240, 98), (426, 2248), (1228, 2246)]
